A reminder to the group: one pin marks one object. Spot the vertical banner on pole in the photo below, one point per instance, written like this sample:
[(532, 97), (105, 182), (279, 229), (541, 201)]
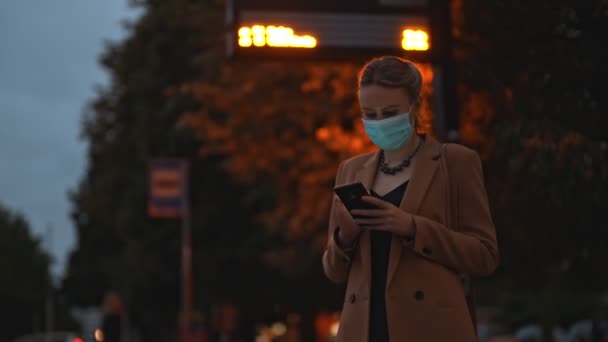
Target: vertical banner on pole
[(169, 199), (167, 188)]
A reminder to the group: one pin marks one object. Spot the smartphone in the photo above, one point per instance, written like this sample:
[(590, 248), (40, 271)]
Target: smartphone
[(350, 195)]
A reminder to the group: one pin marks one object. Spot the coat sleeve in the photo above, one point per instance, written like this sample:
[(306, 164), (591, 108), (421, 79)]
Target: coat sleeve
[(336, 261), (472, 247)]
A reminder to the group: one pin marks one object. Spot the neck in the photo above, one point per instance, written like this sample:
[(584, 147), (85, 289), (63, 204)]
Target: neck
[(396, 156)]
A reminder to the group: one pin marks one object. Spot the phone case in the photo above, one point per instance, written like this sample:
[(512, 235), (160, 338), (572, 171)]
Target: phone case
[(350, 195)]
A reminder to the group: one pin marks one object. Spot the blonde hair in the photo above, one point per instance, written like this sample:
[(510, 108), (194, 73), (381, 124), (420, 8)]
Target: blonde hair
[(396, 72)]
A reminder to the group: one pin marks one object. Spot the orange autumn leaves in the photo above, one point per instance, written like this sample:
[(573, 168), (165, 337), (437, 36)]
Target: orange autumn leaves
[(291, 123)]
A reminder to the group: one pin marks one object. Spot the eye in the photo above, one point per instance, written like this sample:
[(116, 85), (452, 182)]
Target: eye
[(390, 113), (370, 115)]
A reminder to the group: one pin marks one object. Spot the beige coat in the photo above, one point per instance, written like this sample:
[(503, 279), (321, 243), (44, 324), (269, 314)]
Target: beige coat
[(425, 298)]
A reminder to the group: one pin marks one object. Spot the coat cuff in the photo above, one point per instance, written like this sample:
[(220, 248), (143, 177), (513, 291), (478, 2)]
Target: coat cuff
[(421, 244), (410, 240), (345, 254)]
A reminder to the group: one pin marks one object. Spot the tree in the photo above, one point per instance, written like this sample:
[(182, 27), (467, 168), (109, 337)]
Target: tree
[(133, 120), (24, 274), (532, 97), (286, 129)]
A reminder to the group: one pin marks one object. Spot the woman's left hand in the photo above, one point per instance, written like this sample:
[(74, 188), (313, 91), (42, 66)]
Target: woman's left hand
[(386, 217)]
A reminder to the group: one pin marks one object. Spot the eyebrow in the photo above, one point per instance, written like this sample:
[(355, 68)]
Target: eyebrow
[(385, 108)]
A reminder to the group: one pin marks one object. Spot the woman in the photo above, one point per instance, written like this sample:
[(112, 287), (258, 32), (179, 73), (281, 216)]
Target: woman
[(402, 261)]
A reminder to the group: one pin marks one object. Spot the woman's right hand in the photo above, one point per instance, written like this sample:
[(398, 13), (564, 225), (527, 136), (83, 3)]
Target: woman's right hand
[(349, 229)]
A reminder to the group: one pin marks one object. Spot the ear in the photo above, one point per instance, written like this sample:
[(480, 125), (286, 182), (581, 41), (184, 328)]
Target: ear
[(414, 119)]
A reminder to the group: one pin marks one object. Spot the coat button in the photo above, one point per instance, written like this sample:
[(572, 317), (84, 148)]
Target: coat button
[(427, 251), (419, 295), (352, 298)]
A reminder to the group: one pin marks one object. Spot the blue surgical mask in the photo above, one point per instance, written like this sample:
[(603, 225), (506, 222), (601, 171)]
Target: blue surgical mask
[(391, 133)]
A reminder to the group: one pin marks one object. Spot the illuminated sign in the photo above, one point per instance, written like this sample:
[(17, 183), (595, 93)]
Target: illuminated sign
[(274, 36), (312, 35), (416, 40)]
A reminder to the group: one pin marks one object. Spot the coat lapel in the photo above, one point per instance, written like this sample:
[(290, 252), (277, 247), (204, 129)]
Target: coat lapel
[(424, 171), (367, 172)]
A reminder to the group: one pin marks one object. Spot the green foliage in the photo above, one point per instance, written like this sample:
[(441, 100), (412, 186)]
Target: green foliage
[(136, 119), (24, 275), (538, 73)]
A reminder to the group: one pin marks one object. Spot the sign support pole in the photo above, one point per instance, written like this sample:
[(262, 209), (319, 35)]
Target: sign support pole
[(186, 258), (170, 199)]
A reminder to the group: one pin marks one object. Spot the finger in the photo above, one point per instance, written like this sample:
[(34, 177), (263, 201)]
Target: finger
[(369, 221), (376, 201), (379, 228), (369, 212)]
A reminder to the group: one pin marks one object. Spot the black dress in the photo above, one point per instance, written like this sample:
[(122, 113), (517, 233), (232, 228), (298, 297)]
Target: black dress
[(380, 250)]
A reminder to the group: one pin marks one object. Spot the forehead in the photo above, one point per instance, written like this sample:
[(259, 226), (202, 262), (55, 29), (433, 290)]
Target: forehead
[(375, 96)]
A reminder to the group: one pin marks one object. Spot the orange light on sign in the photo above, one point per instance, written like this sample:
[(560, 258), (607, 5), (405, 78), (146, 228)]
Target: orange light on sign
[(274, 36), (415, 40)]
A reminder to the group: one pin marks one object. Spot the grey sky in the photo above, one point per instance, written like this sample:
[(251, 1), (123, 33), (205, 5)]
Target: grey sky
[(48, 70)]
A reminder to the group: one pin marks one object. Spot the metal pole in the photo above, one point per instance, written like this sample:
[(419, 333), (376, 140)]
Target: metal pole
[(445, 84), (440, 125), (186, 259), (450, 89)]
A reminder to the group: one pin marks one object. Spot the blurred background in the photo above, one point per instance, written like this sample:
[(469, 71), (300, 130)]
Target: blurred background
[(167, 166)]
